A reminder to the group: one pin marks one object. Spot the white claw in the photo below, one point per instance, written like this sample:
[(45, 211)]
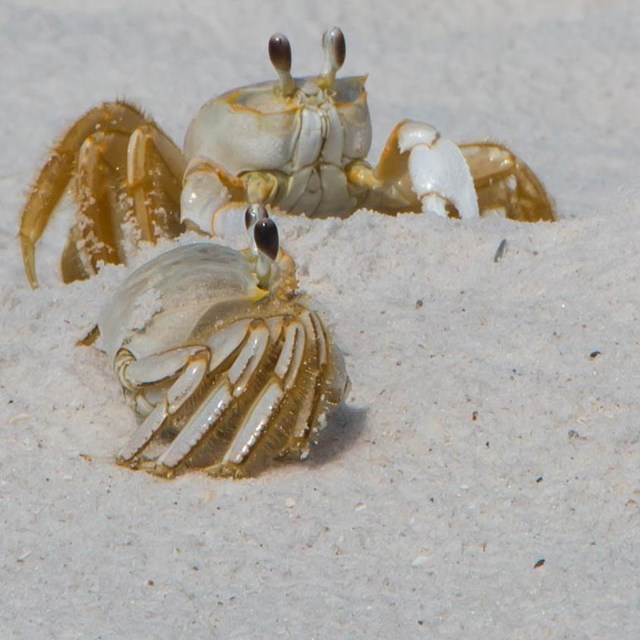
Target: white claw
[(202, 195), (439, 171), (412, 134)]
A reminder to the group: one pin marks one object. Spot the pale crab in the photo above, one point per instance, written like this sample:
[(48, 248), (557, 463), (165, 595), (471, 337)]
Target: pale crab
[(227, 366), (230, 367)]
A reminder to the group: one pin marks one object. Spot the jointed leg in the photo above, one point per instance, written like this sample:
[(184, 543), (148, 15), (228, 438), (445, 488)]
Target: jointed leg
[(247, 395), (155, 167), (505, 183), (110, 156), (177, 373), (101, 199)]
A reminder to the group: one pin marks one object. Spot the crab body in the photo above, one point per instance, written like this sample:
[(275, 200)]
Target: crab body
[(309, 139)]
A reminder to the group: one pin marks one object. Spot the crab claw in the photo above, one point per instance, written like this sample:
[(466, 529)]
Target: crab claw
[(439, 173), (419, 170)]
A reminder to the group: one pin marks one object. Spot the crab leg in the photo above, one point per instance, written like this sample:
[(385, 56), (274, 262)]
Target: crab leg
[(99, 193), (53, 180), (221, 413), (196, 429), (191, 364), (260, 406), (277, 423), (504, 182), (97, 159), (154, 176)]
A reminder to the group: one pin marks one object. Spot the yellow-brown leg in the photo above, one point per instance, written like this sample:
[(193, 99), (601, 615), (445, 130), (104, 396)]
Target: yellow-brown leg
[(155, 167), (101, 198), (506, 184), (105, 171)]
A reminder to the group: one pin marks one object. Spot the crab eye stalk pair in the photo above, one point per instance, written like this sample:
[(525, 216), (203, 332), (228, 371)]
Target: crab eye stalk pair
[(335, 49)]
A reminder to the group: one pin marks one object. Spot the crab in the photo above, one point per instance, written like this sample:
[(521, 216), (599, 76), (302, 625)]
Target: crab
[(227, 366), (295, 144)]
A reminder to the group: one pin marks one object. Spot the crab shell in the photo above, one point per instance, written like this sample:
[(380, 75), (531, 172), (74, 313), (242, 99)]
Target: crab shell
[(223, 374), (310, 137)]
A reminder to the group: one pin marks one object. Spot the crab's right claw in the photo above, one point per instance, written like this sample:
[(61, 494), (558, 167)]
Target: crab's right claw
[(420, 170)]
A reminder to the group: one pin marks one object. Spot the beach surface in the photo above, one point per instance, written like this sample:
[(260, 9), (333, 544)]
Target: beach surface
[(482, 479)]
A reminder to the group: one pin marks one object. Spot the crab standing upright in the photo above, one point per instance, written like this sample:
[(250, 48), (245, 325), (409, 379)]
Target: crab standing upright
[(296, 144), (226, 365)]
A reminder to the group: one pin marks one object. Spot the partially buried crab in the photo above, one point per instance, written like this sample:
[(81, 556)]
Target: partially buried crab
[(225, 363), (231, 367)]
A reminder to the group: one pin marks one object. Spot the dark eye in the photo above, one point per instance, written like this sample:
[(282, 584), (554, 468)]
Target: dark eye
[(265, 234), (338, 46), (280, 52)]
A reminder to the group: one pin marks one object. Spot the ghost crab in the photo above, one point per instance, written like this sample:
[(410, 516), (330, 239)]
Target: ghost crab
[(298, 144), (226, 365)]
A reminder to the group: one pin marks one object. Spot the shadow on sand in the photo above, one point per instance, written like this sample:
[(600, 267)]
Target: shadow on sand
[(345, 424)]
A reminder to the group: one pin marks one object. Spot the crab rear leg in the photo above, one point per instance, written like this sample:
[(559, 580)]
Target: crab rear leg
[(110, 158), (505, 183)]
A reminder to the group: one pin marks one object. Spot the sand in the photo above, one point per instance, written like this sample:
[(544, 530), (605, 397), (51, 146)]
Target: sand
[(482, 480)]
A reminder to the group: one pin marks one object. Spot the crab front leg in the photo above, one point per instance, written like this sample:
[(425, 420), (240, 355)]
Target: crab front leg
[(419, 170), (183, 369)]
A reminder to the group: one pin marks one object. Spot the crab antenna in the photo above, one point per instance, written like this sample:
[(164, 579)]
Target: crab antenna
[(265, 235), (280, 56), (335, 50)]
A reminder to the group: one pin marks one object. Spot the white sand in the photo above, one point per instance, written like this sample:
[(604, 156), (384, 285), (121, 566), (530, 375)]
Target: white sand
[(411, 519)]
